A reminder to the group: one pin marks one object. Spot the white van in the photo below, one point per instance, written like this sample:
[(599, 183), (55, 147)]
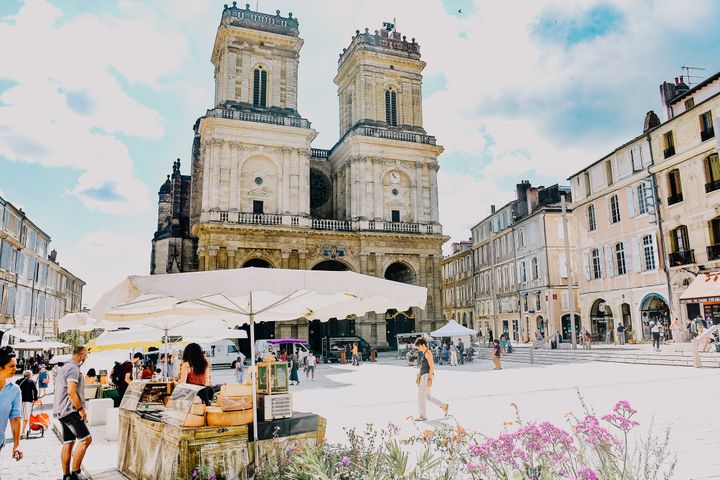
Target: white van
[(221, 352), (262, 348)]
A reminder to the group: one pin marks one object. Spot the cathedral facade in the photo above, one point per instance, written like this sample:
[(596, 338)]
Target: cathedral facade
[(260, 195)]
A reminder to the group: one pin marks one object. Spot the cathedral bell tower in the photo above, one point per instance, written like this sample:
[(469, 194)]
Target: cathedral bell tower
[(385, 163), (251, 151)]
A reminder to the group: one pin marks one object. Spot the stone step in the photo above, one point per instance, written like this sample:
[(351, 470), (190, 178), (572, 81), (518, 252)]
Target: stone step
[(550, 357)]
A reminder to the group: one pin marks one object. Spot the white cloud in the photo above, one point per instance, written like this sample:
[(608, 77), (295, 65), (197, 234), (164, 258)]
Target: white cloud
[(104, 258), (68, 107)]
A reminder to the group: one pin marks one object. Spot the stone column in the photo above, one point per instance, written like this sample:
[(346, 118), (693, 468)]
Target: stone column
[(377, 188), (362, 188), (379, 265), (422, 314), (211, 261), (285, 258), (302, 259), (285, 190), (202, 260), (231, 252), (205, 155), (419, 210), (437, 301), (363, 262), (304, 186), (233, 201), (434, 208)]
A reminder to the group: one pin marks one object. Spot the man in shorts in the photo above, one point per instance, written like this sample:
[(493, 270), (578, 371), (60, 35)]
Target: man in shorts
[(310, 366), (69, 409)]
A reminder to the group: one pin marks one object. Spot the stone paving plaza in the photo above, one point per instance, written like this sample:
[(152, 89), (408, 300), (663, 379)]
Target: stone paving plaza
[(683, 398)]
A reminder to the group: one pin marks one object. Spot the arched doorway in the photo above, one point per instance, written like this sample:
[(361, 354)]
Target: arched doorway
[(399, 322), (257, 263), (601, 321), (653, 307), (319, 331), (566, 327)]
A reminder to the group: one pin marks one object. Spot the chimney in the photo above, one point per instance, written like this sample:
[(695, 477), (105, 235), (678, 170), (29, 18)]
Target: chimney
[(53, 256), (668, 91), (651, 121), (492, 209)]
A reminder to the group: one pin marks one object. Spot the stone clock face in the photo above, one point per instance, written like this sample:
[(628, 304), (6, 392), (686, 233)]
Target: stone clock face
[(320, 188)]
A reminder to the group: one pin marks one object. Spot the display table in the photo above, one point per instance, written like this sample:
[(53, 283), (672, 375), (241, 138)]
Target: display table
[(150, 450)]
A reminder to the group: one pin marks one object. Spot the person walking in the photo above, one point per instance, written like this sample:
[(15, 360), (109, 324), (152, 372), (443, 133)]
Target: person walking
[(461, 351), (294, 370), (497, 351), (424, 381), (240, 368), (490, 337), (69, 409), (123, 378), (355, 360), (10, 401), (621, 334), (29, 394), (655, 327), (503, 343), (453, 355), (676, 329), (43, 380), (311, 361)]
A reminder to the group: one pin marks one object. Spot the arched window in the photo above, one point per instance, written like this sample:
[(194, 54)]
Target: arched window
[(648, 252), (674, 187), (595, 256), (591, 218), (391, 106), (614, 209), (620, 268), (260, 87)]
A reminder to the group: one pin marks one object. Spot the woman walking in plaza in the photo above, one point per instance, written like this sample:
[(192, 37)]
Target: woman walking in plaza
[(497, 351), (294, 370), (676, 329), (10, 401), (424, 381), (453, 355)]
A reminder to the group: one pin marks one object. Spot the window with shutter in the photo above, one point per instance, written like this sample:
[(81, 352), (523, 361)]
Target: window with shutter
[(562, 265), (260, 87), (391, 107), (615, 209)]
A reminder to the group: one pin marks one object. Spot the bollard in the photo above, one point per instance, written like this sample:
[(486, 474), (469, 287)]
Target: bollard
[(532, 354), (373, 354), (696, 354), (343, 358)]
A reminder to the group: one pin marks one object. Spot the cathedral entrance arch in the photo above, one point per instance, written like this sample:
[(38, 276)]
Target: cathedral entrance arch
[(399, 322), (317, 330), (601, 321), (257, 263)]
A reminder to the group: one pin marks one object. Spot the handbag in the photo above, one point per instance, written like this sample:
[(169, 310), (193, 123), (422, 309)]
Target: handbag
[(417, 378)]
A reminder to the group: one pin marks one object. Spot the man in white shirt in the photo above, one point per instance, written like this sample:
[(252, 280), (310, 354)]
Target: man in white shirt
[(655, 328), (310, 370)]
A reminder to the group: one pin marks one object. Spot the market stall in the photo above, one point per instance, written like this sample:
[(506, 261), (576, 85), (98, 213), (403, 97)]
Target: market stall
[(237, 296), (705, 290)]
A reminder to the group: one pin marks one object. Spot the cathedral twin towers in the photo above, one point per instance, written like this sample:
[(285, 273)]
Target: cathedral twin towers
[(260, 195)]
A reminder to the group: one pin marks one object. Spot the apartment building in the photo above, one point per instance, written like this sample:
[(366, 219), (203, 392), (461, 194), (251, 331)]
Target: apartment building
[(457, 284)]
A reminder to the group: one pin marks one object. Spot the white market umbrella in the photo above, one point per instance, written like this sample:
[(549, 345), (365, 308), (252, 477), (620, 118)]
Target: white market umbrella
[(39, 345), (251, 295), (453, 329), (80, 321)]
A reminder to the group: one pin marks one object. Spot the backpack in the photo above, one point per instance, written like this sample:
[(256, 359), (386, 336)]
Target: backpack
[(116, 376)]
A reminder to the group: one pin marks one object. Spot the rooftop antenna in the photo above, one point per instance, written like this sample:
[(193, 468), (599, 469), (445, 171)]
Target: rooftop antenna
[(690, 77)]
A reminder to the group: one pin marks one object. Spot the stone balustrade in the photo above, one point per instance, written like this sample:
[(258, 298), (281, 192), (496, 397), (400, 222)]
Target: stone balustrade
[(224, 216), (249, 116)]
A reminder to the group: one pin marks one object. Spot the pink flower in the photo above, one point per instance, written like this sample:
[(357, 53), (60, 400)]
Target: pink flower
[(590, 430), (586, 473), (623, 408)]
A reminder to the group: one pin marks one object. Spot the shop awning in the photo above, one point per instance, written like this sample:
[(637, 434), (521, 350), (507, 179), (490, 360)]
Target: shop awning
[(453, 329), (705, 288)]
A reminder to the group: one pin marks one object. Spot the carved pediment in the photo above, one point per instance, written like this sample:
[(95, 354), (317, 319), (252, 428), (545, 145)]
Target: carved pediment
[(259, 192), (396, 203)]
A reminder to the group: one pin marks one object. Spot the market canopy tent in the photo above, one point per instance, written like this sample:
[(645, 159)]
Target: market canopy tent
[(453, 329), (39, 345), (250, 295), (704, 289), (18, 335)]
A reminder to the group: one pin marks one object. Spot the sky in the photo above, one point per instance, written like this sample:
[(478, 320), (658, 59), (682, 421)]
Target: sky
[(97, 99)]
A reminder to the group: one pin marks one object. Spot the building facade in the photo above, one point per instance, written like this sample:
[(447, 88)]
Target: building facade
[(260, 195), (458, 292), (497, 294), (687, 172), (35, 291), (622, 278), (542, 262)]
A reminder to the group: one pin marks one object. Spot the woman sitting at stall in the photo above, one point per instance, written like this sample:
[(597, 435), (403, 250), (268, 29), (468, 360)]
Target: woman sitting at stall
[(91, 377), (195, 370)]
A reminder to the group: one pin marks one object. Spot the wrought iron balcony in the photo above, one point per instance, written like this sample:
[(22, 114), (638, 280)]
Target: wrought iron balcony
[(319, 153), (673, 199), (707, 134), (713, 252), (683, 257), (669, 152), (712, 186)]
